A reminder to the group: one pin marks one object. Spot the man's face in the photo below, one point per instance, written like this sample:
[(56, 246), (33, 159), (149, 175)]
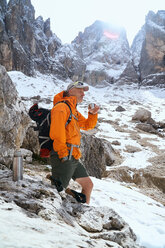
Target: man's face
[(79, 93)]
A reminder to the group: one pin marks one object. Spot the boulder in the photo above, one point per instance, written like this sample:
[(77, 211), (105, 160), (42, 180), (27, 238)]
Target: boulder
[(13, 119), (142, 115), (31, 141), (146, 128), (96, 154), (120, 109)]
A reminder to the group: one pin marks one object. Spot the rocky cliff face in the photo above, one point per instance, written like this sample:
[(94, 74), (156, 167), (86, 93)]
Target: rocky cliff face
[(100, 55), (148, 49), (106, 53), (26, 43), (13, 120)]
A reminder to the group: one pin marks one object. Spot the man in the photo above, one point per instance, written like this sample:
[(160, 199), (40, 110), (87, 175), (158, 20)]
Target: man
[(66, 138)]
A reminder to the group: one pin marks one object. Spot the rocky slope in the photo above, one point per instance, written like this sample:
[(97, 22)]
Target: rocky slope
[(85, 226)]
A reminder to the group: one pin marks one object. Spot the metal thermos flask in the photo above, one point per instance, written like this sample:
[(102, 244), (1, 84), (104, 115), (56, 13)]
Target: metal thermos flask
[(17, 166)]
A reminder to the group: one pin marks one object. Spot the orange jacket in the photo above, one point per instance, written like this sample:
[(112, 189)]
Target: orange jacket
[(62, 135)]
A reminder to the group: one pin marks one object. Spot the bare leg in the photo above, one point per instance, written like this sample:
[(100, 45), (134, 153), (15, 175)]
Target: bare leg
[(87, 186)]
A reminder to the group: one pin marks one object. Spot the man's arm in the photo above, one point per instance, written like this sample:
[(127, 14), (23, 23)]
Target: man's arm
[(90, 122)]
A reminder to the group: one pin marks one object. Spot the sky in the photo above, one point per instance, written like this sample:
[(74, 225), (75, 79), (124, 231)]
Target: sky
[(69, 17)]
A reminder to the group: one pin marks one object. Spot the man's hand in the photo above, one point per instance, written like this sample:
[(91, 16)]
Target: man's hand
[(94, 110)]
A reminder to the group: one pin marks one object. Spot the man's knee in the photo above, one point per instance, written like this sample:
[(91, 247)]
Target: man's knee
[(85, 182), (90, 184)]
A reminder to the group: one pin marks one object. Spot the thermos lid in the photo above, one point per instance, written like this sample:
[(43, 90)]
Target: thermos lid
[(17, 153)]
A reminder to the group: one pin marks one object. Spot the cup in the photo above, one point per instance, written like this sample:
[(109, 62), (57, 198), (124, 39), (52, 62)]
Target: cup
[(17, 166), (91, 105)]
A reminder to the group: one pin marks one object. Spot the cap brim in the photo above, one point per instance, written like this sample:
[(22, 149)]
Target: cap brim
[(85, 88)]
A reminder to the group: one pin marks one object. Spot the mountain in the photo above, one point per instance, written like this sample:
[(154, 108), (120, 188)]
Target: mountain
[(26, 43), (148, 50), (106, 53), (124, 154), (100, 55)]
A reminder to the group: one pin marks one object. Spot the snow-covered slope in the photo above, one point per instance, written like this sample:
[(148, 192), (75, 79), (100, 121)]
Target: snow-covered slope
[(144, 215), (42, 88)]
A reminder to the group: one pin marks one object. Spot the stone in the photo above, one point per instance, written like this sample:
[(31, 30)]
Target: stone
[(132, 149), (116, 143), (96, 154), (146, 128), (31, 141), (142, 115), (120, 109), (13, 119)]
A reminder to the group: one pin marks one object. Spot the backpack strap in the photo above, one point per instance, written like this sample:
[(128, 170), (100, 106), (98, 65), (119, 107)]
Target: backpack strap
[(70, 116), (46, 119)]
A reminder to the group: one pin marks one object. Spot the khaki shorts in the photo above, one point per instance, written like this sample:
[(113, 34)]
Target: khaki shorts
[(64, 171)]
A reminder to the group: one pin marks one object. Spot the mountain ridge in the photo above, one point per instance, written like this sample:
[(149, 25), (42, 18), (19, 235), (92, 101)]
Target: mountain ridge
[(99, 55)]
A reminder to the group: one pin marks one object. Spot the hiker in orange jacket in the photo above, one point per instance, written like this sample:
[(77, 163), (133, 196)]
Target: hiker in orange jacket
[(66, 138)]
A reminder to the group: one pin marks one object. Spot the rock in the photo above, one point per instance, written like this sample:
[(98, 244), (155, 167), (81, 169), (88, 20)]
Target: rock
[(148, 50), (95, 220), (151, 122), (120, 109), (116, 143), (26, 44), (142, 115), (146, 128), (96, 154), (69, 63), (149, 180), (132, 149), (31, 141), (13, 119), (5, 44), (154, 79), (96, 38), (153, 47), (122, 174), (99, 227), (27, 155), (3, 7), (107, 225)]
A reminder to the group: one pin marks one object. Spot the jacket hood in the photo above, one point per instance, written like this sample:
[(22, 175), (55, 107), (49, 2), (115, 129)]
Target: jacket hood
[(60, 97)]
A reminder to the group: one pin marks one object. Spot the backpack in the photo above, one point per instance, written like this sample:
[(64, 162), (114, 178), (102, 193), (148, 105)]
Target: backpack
[(42, 117)]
